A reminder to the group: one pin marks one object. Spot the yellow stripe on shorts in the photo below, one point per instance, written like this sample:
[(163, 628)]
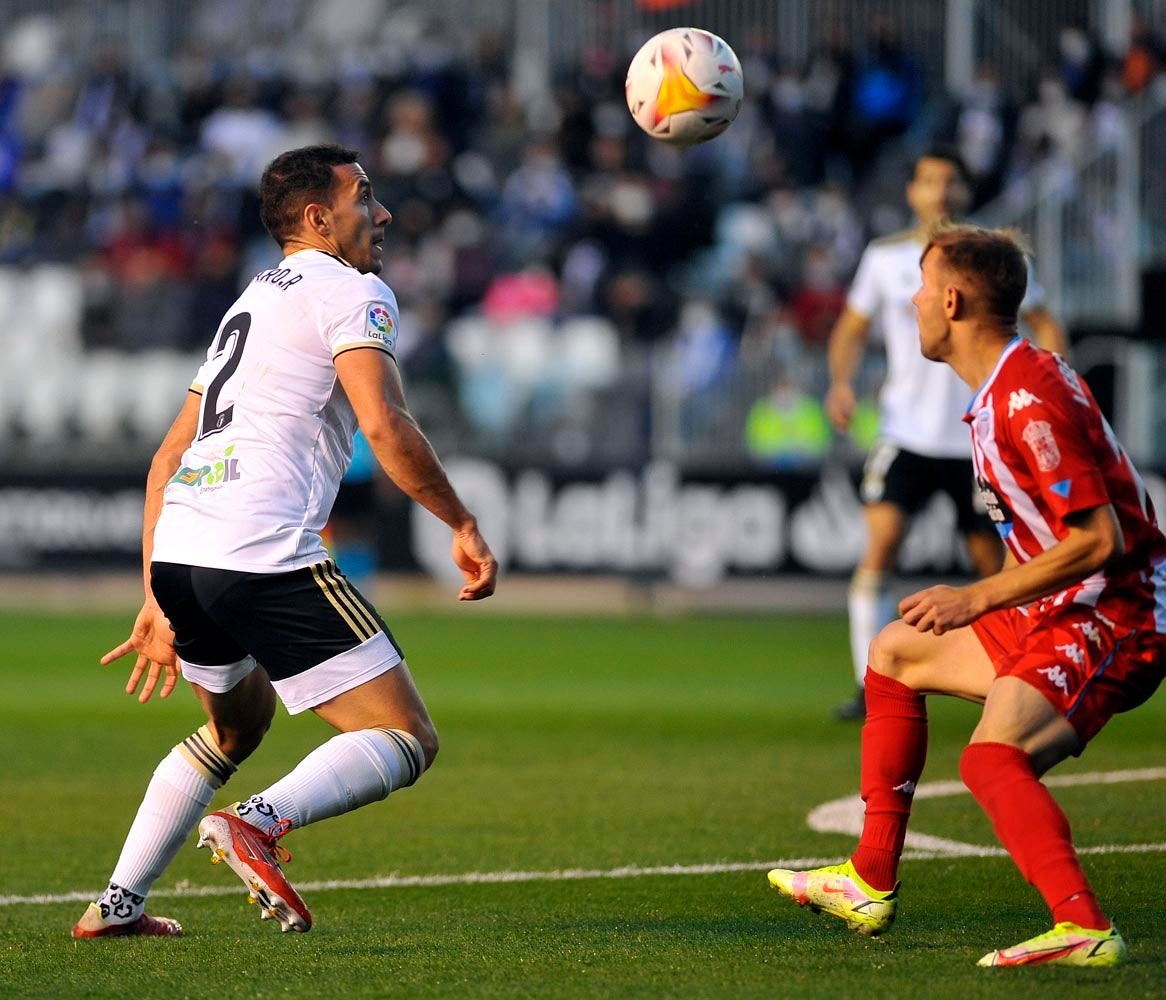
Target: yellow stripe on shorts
[(360, 629)]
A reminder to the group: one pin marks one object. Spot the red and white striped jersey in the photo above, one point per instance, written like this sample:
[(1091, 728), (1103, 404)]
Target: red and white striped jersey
[(1042, 451)]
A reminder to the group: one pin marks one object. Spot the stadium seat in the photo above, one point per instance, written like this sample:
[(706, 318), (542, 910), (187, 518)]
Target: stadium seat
[(162, 378), (104, 394), (589, 352)]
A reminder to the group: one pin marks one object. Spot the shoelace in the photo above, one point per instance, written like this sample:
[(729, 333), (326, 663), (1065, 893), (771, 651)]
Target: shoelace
[(277, 831)]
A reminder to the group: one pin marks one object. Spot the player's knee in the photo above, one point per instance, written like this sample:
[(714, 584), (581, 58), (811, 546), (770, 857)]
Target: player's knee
[(426, 735), (240, 738), (887, 650), (421, 732), (969, 768), (240, 742)]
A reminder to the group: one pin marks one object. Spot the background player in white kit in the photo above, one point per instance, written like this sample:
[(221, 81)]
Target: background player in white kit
[(239, 588), (922, 446)]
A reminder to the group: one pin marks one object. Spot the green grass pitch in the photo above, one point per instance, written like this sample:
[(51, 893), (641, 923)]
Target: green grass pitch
[(591, 744)]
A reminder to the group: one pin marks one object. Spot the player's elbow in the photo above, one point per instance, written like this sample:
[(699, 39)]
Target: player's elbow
[(1107, 541), (386, 425), (1111, 545)]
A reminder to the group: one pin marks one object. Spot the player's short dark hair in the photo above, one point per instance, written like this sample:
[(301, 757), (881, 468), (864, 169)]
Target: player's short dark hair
[(949, 154), (296, 179), (991, 260)]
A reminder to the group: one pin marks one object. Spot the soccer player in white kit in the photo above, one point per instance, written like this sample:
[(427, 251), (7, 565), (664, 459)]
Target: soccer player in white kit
[(240, 592), (923, 445)]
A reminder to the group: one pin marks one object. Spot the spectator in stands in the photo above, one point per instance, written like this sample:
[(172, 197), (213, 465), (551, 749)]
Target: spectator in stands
[(449, 123), (1145, 57), (1081, 63), (888, 91), (787, 427)]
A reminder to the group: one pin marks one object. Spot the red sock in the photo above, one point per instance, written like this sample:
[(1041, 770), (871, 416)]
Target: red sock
[(1032, 828), (894, 749)]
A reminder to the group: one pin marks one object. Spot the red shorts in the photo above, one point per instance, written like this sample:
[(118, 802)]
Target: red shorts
[(1088, 667)]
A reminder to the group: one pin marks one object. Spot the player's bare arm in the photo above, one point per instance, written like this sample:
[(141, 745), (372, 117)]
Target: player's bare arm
[(844, 354), (152, 638), (1094, 537), (1046, 331), (373, 384)]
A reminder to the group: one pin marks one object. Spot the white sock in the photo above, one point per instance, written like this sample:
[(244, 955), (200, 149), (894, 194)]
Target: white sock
[(869, 604), (178, 794), (349, 771)]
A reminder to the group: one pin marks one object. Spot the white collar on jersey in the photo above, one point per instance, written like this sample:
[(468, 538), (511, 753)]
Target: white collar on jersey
[(1011, 346)]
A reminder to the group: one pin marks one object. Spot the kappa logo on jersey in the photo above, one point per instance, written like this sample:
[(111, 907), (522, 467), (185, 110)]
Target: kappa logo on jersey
[(1091, 632), (1072, 652), (379, 325), (1038, 435), (1019, 399), (1057, 677)]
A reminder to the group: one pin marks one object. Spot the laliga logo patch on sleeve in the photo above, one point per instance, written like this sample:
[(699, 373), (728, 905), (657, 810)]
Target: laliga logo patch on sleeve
[(378, 324)]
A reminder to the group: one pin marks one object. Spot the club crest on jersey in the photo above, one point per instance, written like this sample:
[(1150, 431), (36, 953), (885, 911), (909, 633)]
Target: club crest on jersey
[(1019, 399), (1038, 435), (379, 325)]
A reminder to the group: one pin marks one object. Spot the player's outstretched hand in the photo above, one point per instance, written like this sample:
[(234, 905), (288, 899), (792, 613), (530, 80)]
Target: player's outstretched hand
[(940, 609), (153, 640), (477, 563)]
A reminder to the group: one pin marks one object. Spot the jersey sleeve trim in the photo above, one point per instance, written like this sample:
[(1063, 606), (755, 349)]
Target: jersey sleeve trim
[(374, 344)]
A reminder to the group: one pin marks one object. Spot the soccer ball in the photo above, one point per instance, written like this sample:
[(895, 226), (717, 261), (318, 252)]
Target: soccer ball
[(684, 86)]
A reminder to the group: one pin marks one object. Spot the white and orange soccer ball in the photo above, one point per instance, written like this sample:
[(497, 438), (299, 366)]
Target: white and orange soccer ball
[(684, 86)]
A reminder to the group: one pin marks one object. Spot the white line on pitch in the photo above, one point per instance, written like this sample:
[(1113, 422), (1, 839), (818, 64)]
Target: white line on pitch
[(560, 875)]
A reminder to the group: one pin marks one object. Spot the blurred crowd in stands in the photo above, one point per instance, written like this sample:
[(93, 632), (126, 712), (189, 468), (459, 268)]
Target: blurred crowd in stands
[(511, 210)]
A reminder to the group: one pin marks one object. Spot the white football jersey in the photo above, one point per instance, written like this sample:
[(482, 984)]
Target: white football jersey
[(275, 429), (922, 402)]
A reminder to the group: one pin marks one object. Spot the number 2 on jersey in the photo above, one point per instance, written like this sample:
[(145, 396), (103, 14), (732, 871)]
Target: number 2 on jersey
[(228, 353)]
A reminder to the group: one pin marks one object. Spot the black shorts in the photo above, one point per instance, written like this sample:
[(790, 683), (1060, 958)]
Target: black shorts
[(288, 622), (908, 480)]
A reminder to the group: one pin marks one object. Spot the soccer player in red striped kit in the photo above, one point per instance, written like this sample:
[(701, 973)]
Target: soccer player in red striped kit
[(1067, 634)]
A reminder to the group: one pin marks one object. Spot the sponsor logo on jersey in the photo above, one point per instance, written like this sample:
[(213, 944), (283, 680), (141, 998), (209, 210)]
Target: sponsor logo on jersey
[(219, 472), (1038, 435), (997, 509), (1019, 399), (379, 325)]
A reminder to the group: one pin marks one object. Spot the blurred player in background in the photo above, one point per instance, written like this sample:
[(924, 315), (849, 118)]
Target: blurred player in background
[(240, 591), (922, 447), (1067, 634)]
